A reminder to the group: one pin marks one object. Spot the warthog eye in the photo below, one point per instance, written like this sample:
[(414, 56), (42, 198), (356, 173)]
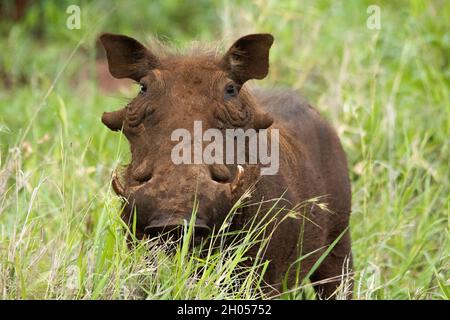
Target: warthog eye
[(231, 91), (143, 88)]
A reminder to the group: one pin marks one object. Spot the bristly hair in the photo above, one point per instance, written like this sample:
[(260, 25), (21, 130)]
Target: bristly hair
[(164, 50)]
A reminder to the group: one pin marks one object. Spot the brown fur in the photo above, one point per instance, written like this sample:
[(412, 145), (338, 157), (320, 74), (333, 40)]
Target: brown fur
[(182, 89)]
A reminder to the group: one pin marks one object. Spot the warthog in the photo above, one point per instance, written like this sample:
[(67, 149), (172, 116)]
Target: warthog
[(178, 89)]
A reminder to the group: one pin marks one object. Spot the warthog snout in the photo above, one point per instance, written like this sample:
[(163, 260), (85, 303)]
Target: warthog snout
[(174, 230), (164, 202)]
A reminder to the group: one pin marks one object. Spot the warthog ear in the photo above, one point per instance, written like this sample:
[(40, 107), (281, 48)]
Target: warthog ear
[(127, 58), (248, 57)]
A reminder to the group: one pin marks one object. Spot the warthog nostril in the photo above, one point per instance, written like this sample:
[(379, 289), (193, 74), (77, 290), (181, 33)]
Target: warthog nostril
[(175, 231)]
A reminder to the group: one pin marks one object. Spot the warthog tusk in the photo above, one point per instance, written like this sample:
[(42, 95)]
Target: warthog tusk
[(117, 186), (237, 182)]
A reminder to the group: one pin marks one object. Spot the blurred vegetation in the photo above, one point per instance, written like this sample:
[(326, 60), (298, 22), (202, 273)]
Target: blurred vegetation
[(386, 91)]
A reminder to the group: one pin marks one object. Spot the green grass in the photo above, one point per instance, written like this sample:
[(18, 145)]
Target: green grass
[(386, 92)]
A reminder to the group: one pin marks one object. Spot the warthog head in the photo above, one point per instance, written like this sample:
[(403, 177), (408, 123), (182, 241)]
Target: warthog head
[(174, 92)]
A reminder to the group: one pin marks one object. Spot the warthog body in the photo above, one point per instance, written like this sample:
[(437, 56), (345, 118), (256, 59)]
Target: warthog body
[(178, 90)]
